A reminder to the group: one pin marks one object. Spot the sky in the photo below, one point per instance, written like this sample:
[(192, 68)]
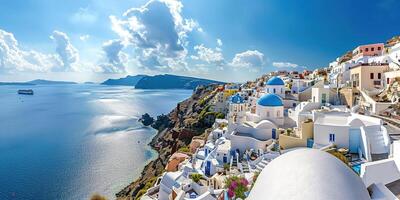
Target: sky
[(228, 40)]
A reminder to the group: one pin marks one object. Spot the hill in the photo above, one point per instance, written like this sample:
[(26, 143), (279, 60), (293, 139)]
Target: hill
[(168, 81), (128, 80), (47, 82)]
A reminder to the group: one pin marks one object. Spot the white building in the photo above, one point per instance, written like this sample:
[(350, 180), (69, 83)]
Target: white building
[(360, 134), (308, 174), (299, 85), (275, 85)]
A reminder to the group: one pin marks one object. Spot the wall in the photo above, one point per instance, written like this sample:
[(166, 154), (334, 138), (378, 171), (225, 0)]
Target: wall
[(347, 96), (365, 82), (306, 132), (279, 90), (321, 135)]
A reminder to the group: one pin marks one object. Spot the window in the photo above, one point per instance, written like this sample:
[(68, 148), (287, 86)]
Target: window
[(379, 75), (371, 75), (372, 49), (387, 80), (366, 49), (379, 48), (274, 90), (278, 114), (331, 137), (268, 90)]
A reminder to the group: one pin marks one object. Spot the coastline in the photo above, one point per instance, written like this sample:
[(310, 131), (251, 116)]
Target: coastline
[(183, 126)]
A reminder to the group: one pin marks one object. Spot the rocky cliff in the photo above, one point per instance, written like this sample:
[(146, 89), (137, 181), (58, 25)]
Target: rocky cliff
[(185, 121)]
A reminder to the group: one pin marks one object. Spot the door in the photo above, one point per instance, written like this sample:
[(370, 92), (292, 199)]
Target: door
[(225, 159), (208, 167), (273, 133), (323, 98), (354, 140)]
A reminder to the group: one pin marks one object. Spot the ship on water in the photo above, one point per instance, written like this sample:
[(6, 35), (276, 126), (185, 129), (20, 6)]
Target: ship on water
[(25, 92)]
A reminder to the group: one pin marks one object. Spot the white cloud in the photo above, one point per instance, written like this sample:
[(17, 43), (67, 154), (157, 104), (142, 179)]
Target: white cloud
[(84, 15), (219, 42), (158, 32), (284, 64), (69, 55), (211, 56), (250, 59), (84, 37), (14, 59), (115, 58)]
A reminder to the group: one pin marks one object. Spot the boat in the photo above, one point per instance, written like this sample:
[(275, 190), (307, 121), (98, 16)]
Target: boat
[(25, 92)]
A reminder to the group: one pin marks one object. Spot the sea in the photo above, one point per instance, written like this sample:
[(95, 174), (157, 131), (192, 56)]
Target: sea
[(71, 141)]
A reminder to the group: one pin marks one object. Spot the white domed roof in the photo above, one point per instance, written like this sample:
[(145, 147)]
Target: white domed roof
[(308, 174)]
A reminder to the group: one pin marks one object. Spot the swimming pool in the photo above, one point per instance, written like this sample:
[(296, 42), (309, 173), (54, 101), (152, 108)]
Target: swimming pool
[(357, 168)]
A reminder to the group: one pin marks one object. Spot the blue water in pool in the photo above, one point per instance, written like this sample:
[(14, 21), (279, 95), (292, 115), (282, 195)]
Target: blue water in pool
[(70, 141)]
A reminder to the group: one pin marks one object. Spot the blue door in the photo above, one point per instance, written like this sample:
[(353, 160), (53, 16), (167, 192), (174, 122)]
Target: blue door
[(354, 140), (225, 159), (273, 133), (310, 143), (208, 167)]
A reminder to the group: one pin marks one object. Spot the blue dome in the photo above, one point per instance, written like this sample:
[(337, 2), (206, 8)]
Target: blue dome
[(275, 81), (237, 99), (270, 100)]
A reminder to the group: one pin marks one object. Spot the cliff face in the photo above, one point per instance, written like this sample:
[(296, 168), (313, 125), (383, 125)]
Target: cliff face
[(168, 81), (186, 121)]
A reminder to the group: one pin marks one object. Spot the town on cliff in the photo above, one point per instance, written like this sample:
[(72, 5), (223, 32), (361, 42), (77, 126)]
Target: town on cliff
[(331, 133)]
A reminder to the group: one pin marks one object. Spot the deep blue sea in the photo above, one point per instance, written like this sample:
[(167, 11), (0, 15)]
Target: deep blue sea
[(70, 141)]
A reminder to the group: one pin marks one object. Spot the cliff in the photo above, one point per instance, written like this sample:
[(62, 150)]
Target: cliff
[(185, 121), (168, 81), (128, 80)]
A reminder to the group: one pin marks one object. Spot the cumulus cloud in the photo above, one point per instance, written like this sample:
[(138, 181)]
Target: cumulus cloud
[(69, 55), (211, 56), (14, 59), (158, 32), (219, 42), (251, 59), (84, 37), (115, 58), (84, 15), (284, 64)]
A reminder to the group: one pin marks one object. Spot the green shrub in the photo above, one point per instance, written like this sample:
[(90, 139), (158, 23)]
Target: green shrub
[(196, 177), (184, 149), (220, 116)]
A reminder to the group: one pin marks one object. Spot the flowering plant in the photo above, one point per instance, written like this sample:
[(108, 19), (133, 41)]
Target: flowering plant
[(237, 186)]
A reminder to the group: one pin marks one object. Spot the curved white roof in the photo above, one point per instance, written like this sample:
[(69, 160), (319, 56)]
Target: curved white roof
[(308, 174)]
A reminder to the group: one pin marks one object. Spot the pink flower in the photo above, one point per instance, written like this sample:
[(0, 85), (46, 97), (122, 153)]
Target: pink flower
[(230, 193), (234, 184), (244, 182)]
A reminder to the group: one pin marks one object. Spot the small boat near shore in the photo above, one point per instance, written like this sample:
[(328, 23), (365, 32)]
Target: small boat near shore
[(25, 92)]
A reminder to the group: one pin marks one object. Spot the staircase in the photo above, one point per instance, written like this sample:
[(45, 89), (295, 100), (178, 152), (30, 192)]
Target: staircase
[(377, 141), (245, 167), (261, 165), (234, 162)]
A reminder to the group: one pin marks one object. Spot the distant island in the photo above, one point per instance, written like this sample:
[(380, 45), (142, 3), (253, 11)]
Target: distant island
[(127, 81), (165, 81), (48, 82), (38, 82), (15, 83)]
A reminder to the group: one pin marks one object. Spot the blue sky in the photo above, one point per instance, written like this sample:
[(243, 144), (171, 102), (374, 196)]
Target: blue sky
[(230, 40)]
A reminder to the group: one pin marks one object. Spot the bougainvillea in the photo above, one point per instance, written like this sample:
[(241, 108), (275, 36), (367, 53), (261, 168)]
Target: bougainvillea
[(237, 186)]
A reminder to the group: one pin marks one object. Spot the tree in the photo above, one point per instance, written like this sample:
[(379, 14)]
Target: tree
[(146, 119)]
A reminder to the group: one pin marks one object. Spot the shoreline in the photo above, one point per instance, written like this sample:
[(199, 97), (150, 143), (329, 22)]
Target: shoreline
[(182, 125)]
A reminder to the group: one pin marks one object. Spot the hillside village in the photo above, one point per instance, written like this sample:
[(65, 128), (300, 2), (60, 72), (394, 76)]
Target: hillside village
[(319, 134)]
